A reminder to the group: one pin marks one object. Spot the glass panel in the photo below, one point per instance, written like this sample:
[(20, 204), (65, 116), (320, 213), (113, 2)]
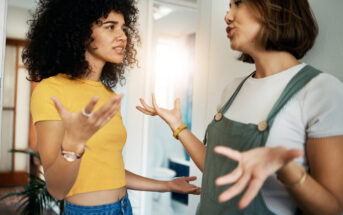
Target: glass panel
[(20, 62), (9, 76), (22, 110), (21, 162), (6, 140)]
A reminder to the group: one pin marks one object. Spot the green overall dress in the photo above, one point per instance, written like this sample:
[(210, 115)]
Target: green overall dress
[(242, 137)]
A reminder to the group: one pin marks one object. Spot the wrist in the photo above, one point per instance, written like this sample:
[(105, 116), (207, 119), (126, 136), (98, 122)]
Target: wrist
[(178, 130), (175, 125), (168, 186), (71, 144), (290, 174)]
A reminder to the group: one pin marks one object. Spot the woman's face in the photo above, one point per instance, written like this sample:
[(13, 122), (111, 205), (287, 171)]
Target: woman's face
[(109, 39), (243, 27)]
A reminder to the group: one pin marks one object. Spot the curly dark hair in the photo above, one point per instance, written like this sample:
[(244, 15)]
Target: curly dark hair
[(60, 31)]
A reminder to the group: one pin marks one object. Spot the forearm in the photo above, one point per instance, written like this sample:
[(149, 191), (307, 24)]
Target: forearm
[(311, 197), (61, 176), (136, 182), (195, 148)]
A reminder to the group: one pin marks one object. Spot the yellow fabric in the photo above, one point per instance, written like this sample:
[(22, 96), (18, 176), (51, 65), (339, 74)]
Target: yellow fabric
[(102, 167)]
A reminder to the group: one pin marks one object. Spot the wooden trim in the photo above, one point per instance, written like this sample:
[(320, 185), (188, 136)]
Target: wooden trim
[(33, 136), (7, 108), (8, 179), (15, 106), (22, 67), (16, 42)]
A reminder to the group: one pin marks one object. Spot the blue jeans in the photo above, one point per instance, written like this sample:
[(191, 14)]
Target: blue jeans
[(121, 207)]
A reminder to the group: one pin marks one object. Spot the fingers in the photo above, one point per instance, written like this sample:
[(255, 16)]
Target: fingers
[(192, 178), (144, 111), (59, 107), (254, 186), (197, 192), (292, 154), (177, 104), (230, 178), (109, 104), (107, 111), (109, 114), (235, 189), (89, 107), (154, 104), (147, 107), (230, 153)]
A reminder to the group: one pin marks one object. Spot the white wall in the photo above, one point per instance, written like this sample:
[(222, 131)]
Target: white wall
[(327, 52), (17, 22), (137, 84), (217, 64), (3, 15)]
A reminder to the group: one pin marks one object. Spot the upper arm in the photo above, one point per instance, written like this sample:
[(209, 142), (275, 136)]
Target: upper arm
[(48, 124), (325, 162), (49, 137)]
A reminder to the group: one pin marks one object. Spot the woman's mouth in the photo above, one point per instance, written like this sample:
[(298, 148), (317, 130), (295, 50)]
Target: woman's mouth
[(119, 50), (229, 32)]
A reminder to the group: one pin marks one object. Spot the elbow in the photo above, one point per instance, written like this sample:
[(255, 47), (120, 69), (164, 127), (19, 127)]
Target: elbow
[(57, 194)]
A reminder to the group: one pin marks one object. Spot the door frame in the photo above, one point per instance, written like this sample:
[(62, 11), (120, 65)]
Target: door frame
[(3, 11)]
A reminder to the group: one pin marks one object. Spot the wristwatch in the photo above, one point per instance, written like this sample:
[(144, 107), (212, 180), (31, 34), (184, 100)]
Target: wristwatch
[(71, 156)]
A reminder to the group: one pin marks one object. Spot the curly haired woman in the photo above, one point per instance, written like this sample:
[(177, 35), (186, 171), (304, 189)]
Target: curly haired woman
[(78, 50)]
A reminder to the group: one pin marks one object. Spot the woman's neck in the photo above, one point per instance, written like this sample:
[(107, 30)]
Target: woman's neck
[(95, 65), (272, 62)]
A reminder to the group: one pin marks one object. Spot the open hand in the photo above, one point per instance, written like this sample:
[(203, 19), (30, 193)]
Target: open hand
[(80, 127), (172, 117), (254, 167), (182, 185)]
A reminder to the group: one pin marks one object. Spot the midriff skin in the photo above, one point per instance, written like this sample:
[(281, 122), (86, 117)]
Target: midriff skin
[(97, 197)]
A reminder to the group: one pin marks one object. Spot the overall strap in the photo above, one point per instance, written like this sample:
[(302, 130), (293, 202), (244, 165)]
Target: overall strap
[(304, 76), (229, 102)]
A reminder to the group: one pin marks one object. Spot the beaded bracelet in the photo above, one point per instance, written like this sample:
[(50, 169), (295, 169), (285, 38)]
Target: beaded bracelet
[(178, 130)]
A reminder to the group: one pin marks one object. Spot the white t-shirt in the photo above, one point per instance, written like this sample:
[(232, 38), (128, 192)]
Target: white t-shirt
[(315, 111)]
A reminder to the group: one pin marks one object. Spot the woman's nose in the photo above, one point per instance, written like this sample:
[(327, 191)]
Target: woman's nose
[(228, 17), (121, 36)]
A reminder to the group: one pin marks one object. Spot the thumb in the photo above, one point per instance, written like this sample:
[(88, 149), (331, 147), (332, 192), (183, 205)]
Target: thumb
[(177, 104), (293, 154), (59, 107)]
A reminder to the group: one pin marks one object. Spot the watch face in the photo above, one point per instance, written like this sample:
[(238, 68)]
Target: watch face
[(70, 157)]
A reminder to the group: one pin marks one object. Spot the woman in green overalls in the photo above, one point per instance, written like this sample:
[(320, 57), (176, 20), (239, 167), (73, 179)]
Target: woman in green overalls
[(283, 123)]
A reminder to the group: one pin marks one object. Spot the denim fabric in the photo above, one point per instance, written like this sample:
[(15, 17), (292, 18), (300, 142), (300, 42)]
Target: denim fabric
[(121, 207)]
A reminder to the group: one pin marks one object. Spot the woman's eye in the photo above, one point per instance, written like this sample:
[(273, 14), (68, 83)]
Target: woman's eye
[(238, 2), (110, 27)]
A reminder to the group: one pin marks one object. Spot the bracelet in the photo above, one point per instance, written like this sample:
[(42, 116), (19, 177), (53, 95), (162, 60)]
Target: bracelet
[(178, 130), (300, 182), (71, 156)]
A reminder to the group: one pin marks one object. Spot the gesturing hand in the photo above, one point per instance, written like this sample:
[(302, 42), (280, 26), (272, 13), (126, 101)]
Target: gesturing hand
[(182, 185), (172, 117), (254, 167), (80, 127)]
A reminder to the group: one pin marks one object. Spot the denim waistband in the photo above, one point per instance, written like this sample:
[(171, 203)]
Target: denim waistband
[(122, 207)]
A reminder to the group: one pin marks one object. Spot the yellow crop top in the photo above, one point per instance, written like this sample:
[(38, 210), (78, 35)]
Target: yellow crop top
[(102, 167)]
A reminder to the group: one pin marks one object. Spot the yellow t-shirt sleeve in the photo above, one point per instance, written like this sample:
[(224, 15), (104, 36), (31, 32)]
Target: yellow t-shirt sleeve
[(42, 107)]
